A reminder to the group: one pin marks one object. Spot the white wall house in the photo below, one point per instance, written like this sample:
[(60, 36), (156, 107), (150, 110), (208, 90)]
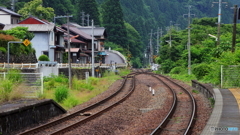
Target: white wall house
[(44, 40), (8, 17)]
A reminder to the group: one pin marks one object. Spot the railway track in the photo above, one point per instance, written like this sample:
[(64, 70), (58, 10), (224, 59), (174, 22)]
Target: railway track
[(73, 120), (180, 118)]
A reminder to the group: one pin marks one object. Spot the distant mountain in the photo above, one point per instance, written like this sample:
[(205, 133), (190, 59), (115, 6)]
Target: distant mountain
[(145, 15)]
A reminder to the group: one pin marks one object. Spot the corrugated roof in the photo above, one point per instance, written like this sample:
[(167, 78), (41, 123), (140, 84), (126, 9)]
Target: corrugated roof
[(31, 27), (9, 11), (98, 31), (42, 21), (78, 32)]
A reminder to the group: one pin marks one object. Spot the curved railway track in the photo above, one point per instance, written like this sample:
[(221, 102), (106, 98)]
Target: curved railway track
[(182, 112), (80, 117), (179, 119)]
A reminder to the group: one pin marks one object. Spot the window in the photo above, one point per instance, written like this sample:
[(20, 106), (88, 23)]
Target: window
[(45, 53)]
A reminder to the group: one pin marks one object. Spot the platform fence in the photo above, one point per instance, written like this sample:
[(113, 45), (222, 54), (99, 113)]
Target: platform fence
[(31, 85), (230, 76)]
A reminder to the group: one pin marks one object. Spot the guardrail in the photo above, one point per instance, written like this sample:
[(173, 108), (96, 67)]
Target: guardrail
[(203, 88), (55, 64), (19, 65)]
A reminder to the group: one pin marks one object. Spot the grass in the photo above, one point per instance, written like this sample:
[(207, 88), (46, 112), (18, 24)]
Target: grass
[(82, 90), (195, 91)]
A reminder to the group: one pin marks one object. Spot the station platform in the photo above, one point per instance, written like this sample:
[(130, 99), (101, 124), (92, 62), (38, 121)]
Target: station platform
[(225, 118)]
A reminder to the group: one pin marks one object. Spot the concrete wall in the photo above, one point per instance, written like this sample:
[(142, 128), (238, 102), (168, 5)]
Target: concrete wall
[(47, 71), (27, 115), (40, 43)]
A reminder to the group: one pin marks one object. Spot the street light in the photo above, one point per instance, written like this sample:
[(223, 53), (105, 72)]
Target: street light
[(213, 36)]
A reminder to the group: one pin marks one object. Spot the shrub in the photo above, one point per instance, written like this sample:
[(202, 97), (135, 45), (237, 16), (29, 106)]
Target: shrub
[(61, 93), (14, 75), (177, 70), (201, 70), (71, 102), (43, 58), (93, 81), (6, 87), (3, 50)]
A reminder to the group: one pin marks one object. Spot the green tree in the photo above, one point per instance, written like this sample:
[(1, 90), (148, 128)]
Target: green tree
[(135, 45), (16, 34), (35, 8), (5, 3), (112, 17), (63, 7), (89, 7)]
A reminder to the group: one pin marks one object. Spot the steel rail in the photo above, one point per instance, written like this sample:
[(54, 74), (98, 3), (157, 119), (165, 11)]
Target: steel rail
[(163, 124), (159, 129), (73, 126), (61, 120)]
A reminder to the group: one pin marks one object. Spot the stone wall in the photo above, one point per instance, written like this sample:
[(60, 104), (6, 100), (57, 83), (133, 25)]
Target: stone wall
[(31, 58)]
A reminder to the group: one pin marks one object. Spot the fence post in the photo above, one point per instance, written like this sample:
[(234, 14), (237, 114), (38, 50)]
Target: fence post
[(221, 76), (41, 82)]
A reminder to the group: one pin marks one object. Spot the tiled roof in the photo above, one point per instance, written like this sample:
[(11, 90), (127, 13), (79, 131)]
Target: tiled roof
[(9, 11), (98, 31), (31, 27), (74, 40), (72, 49)]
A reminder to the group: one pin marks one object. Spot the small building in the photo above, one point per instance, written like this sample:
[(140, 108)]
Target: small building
[(8, 17), (84, 53), (48, 39)]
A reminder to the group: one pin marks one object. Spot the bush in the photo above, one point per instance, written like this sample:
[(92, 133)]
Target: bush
[(43, 58), (178, 70), (71, 102), (93, 81), (3, 50), (201, 70), (61, 93), (14, 75), (6, 87)]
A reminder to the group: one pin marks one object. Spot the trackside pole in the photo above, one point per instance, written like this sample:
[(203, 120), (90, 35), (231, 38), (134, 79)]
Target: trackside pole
[(153, 92)]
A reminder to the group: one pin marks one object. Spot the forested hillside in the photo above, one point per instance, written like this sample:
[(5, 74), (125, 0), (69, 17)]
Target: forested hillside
[(139, 16)]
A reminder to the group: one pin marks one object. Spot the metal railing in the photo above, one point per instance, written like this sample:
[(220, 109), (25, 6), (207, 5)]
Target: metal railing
[(55, 64)]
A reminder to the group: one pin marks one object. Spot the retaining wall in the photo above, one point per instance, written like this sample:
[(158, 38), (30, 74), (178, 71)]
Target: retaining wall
[(27, 114)]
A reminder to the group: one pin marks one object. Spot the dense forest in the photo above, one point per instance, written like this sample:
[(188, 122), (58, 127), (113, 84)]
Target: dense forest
[(130, 22)]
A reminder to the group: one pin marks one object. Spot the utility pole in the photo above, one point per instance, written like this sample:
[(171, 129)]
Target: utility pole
[(68, 42), (92, 49), (170, 38), (151, 49), (189, 38), (83, 17), (88, 19), (13, 5), (159, 31), (234, 28), (69, 56), (176, 26), (219, 19), (157, 41)]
